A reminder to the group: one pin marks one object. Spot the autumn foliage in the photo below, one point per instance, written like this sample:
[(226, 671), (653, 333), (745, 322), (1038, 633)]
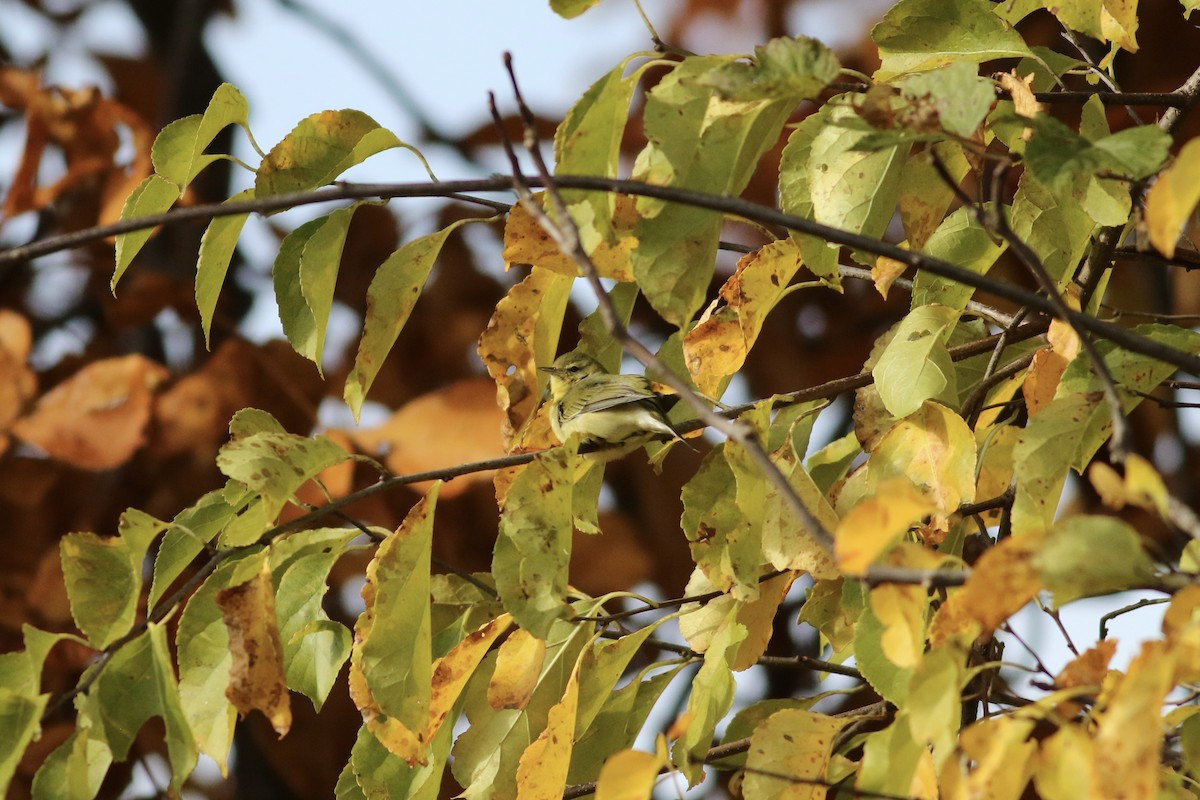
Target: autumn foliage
[(940, 284)]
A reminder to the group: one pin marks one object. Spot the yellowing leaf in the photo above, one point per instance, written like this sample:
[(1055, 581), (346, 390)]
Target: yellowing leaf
[(1129, 737), (525, 242), (523, 333), (452, 671), (1001, 750), (1020, 90), (914, 365), (1003, 580), (518, 664), (884, 273), (867, 530), (716, 348), (256, 679), (629, 775), (791, 742), (542, 771), (1088, 555), (935, 449), (1181, 625), (901, 610), (1173, 198), (1064, 767)]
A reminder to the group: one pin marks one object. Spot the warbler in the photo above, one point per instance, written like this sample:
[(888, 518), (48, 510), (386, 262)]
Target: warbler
[(605, 409)]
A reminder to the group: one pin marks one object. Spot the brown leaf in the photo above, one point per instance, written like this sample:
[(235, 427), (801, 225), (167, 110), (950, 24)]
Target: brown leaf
[(450, 426), (256, 679), (18, 384), (96, 419)]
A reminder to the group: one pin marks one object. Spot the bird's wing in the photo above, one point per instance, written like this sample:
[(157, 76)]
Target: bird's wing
[(607, 392)]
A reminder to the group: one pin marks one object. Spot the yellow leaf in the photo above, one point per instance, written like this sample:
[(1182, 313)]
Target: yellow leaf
[(1004, 580), (256, 679), (1002, 752), (759, 616), (791, 742), (884, 274), (1142, 486), (629, 775), (526, 243), (1129, 738), (1173, 198), (542, 771), (518, 664), (1064, 768), (452, 671), (901, 610), (716, 348), (868, 528), (933, 448), (1021, 92), (1181, 626)]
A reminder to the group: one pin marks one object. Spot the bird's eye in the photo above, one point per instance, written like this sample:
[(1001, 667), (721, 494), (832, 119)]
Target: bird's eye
[(573, 369)]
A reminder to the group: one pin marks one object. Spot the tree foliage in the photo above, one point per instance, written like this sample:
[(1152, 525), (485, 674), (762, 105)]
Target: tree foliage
[(971, 432)]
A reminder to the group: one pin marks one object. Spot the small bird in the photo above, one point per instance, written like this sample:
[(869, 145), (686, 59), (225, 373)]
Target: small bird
[(605, 409)]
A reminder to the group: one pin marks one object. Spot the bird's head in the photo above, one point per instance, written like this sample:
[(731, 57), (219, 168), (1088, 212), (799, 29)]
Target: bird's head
[(569, 369)]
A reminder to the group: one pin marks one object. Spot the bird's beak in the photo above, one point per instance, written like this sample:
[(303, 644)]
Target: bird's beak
[(552, 371)]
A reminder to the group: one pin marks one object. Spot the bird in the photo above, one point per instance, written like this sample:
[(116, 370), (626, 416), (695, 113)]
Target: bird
[(606, 410)]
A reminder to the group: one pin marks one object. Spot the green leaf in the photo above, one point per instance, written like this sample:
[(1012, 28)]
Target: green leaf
[(885, 677), (185, 539), (202, 643), (136, 684), (320, 148), (915, 365), (298, 323), (710, 699), (588, 142), (569, 9), (178, 151), (1046, 448), (603, 664), (961, 98), (216, 250), (314, 646), (890, 759), (1090, 555), (798, 67), (745, 541), (919, 35), (154, 195), (710, 515), (618, 722), (373, 772), (20, 717), (795, 193), (319, 262), (1059, 233), (390, 300), (104, 576), (394, 631), (277, 464), (964, 243), (75, 769), (533, 548), (695, 143)]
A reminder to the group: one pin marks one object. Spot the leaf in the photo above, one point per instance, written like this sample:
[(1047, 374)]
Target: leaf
[(798, 67), (76, 768), (699, 142), (97, 418), (186, 536), (518, 665), (960, 240), (1129, 738), (136, 684), (1173, 198), (569, 9), (866, 530), (154, 195), (390, 300), (256, 677), (104, 576), (1106, 21), (532, 552), (717, 346), (957, 93), (934, 449), (542, 770), (20, 718), (919, 35), (710, 699), (792, 742), (629, 775), (391, 672), (320, 148), (1090, 555), (179, 149), (314, 646), (276, 464), (915, 365), (216, 250), (1003, 580)]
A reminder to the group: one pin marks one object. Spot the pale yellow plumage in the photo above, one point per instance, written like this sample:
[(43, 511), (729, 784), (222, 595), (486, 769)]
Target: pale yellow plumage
[(604, 409)]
